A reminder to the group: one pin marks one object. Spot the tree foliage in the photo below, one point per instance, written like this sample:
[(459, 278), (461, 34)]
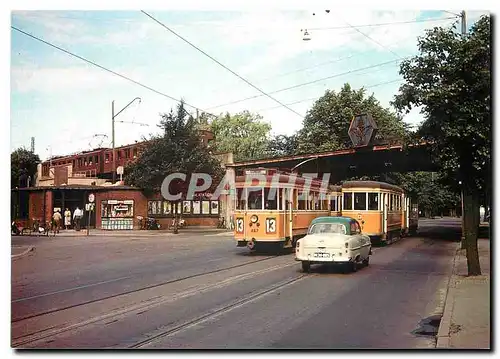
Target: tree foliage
[(282, 145), (326, 125), (243, 134), (178, 149), (23, 164), (450, 80)]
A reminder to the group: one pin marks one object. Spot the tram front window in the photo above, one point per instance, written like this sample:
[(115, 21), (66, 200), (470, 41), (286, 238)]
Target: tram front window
[(241, 199), (254, 198), (271, 198)]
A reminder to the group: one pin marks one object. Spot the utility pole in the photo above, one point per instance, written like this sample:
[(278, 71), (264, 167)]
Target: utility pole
[(113, 116), (464, 22), (113, 138)]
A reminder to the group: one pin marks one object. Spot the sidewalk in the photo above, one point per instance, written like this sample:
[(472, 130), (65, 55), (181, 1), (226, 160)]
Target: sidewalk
[(466, 318), (141, 233)]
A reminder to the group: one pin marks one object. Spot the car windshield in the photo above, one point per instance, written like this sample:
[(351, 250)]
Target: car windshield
[(320, 228)]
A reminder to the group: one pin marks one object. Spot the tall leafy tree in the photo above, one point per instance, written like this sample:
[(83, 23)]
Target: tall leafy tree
[(178, 149), (23, 164), (282, 145), (326, 125), (450, 79), (244, 134)]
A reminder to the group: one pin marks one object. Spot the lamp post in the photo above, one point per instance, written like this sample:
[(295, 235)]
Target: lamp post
[(113, 116)]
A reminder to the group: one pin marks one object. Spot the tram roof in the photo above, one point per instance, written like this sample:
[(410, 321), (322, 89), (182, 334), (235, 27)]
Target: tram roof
[(371, 184)]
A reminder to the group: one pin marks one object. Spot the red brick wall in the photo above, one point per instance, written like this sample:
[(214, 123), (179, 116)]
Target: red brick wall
[(36, 206), (166, 222), (140, 203)]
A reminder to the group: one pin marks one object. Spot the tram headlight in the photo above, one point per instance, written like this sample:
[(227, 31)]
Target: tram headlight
[(254, 218)]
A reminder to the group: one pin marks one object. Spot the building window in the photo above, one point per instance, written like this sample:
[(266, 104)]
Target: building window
[(373, 201), (167, 208), (360, 201), (186, 207), (205, 207), (196, 207), (214, 207), (154, 207), (135, 152), (347, 201)]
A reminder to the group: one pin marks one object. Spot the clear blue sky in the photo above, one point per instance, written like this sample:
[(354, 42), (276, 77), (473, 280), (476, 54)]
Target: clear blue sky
[(64, 102)]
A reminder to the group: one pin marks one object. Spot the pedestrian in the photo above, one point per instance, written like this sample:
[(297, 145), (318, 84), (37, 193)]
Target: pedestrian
[(77, 216), (67, 218), (57, 220)]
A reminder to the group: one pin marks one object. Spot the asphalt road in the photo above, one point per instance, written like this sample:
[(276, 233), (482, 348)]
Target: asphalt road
[(200, 291)]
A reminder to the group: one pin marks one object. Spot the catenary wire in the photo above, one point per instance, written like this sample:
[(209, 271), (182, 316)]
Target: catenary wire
[(106, 69), (381, 24), (219, 63), (317, 97), (310, 82)]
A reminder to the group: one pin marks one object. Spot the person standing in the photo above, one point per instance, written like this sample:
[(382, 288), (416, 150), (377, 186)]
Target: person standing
[(67, 218), (77, 216), (57, 221)]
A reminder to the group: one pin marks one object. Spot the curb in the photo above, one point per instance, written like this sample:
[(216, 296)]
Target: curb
[(443, 336), (27, 251)]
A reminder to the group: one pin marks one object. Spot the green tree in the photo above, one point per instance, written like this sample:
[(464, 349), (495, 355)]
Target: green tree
[(282, 145), (177, 150), (243, 134), (450, 80), (326, 125), (23, 164)]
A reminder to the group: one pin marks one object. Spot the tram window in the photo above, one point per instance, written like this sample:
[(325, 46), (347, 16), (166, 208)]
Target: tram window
[(360, 201), (391, 202), (271, 198), (241, 199), (348, 201), (255, 198), (301, 201), (373, 201), (333, 204)]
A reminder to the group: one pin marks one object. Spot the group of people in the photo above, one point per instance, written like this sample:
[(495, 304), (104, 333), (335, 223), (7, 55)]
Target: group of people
[(57, 219)]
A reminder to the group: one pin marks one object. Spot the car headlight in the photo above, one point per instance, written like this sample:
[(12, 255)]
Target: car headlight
[(254, 218)]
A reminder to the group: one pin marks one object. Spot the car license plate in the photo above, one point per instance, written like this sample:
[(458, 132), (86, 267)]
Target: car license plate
[(321, 255)]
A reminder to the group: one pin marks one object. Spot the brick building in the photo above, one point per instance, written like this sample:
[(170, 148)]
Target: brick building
[(67, 182)]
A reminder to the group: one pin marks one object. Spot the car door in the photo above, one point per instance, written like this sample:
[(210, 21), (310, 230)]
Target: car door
[(362, 240)]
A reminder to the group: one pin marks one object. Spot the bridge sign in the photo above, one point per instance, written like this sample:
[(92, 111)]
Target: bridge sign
[(362, 130)]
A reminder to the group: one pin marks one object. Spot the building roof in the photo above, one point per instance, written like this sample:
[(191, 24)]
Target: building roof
[(79, 187)]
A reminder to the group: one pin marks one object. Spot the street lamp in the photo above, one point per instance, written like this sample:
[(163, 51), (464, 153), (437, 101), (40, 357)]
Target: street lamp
[(113, 116)]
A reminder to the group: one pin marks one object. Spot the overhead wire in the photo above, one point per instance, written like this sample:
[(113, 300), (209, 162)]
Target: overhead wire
[(220, 64), (309, 82), (380, 24), (107, 70), (318, 97)]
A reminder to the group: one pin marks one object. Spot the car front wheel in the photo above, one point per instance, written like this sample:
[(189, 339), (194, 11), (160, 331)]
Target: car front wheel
[(306, 267)]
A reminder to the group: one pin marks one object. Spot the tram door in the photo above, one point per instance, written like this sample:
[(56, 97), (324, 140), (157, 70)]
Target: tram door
[(384, 203), (288, 215)]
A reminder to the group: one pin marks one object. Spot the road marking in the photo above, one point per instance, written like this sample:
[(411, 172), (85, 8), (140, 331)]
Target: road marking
[(69, 289)]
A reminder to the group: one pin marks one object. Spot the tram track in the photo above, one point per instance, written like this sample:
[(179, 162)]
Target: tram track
[(217, 312), (197, 275), (143, 305)]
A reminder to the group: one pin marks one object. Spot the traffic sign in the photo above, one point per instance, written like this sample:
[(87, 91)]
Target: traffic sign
[(119, 170), (91, 198)]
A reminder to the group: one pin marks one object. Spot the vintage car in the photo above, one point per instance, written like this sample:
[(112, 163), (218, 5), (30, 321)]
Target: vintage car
[(335, 240)]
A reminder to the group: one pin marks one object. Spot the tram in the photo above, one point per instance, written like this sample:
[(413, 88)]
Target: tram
[(271, 216), (380, 208), (335, 194)]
